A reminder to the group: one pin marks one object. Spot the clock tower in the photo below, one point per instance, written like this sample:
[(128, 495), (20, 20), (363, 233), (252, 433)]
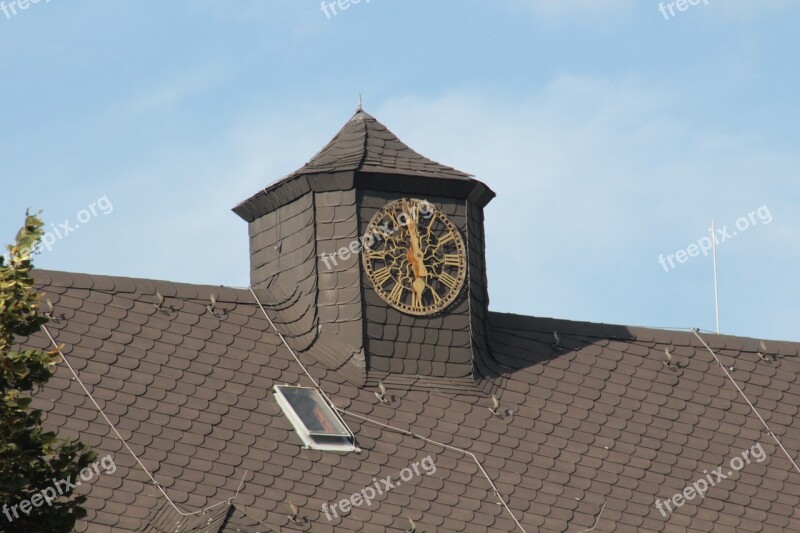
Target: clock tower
[(370, 260)]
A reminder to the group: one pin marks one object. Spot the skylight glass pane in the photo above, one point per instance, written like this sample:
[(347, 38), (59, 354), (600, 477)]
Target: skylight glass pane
[(313, 412)]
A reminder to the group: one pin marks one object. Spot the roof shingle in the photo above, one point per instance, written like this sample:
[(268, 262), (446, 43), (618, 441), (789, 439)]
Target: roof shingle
[(366, 145), (600, 423)]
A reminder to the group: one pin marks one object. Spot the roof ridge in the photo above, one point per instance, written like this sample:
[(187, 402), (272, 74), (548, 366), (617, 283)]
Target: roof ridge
[(593, 329), (129, 285), (366, 116)]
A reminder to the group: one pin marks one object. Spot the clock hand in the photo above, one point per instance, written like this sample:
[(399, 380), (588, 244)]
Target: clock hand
[(419, 286), (415, 254)]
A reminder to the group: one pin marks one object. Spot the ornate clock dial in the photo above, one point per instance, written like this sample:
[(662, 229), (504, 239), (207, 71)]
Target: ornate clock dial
[(414, 256)]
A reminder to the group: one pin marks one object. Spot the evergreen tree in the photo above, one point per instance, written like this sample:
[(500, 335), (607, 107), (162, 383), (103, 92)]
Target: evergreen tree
[(31, 460)]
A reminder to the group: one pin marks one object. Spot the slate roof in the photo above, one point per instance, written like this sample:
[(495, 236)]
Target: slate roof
[(366, 145), (598, 423)]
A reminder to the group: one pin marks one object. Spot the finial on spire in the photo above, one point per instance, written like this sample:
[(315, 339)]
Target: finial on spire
[(359, 101)]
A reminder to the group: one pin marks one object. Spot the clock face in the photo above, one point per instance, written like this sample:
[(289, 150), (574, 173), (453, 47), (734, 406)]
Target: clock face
[(414, 256)]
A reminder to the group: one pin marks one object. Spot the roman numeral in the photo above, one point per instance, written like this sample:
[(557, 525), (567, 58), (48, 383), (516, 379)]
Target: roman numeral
[(437, 300), (453, 260), (397, 293), (448, 280), (414, 212), (416, 301), (447, 238), (381, 276), (393, 217), (377, 256)]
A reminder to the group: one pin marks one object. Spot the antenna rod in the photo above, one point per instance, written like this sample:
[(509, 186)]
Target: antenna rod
[(716, 289)]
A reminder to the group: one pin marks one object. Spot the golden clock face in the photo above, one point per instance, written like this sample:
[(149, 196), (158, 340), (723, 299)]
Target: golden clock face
[(414, 256)]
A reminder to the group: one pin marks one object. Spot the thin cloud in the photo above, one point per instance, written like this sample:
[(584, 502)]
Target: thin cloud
[(171, 92), (595, 178)]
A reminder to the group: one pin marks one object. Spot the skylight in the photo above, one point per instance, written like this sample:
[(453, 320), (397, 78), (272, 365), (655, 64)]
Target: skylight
[(315, 422)]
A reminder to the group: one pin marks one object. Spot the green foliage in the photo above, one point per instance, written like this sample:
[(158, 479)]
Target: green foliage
[(30, 458)]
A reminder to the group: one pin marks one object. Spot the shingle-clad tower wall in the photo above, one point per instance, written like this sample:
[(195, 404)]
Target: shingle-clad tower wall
[(300, 228)]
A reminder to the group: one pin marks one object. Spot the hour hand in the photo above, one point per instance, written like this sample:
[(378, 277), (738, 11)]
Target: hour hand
[(419, 286)]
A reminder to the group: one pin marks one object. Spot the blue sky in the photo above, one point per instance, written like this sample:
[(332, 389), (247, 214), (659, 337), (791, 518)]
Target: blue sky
[(611, 134)]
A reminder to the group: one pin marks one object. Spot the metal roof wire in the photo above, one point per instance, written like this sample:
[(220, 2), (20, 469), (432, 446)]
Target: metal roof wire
[(124, 443), (387, 426), (752, 407)]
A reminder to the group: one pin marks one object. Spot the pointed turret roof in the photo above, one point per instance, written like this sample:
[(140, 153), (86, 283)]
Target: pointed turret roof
[(364, 148), (366, 145)]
